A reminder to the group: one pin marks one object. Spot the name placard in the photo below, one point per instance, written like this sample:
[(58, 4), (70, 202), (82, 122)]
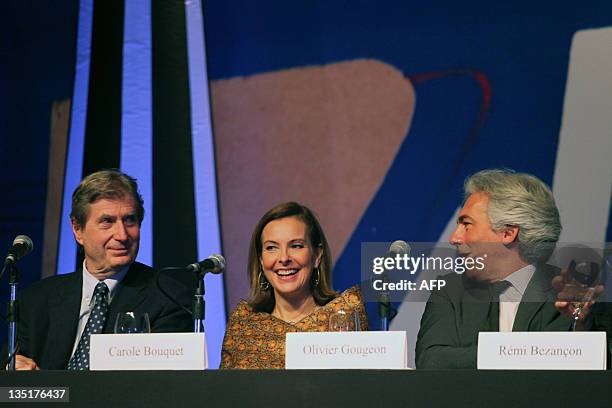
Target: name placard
[(149, 351), (360, 350), (542, 351)]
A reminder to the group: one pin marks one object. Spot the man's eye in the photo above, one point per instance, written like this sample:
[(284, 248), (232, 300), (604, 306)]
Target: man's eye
[(106, 222), (130, 221)]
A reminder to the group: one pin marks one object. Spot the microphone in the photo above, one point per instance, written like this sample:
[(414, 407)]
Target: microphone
[(214, 264), (385, 311), (22, 245), (398, 248)]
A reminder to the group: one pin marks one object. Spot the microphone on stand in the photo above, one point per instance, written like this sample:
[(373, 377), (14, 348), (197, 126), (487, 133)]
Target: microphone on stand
[(385, 311), (213, 264), (22, 245)]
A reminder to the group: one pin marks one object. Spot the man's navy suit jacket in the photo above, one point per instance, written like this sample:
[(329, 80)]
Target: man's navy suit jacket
[(49, 311)]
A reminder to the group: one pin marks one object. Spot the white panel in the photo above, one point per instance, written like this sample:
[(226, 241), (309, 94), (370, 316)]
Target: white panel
[(66, 260), (583, 171), (136, 113), (207, 214)]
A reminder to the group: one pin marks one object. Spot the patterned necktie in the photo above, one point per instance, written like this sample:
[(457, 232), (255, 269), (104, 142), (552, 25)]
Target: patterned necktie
[(95, 324), (495, 290)]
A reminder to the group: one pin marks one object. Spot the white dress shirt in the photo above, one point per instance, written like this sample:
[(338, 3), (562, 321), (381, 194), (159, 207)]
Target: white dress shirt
[(510, 299), (88, 301)]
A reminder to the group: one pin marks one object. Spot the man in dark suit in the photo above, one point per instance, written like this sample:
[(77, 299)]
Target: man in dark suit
[(511, 221), (58, 314)]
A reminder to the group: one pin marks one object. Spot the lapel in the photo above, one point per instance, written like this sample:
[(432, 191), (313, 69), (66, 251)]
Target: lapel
[(536, 295), (64, 308), (131, 293)]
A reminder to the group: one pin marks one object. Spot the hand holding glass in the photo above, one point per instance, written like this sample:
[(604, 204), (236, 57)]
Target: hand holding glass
[(580, 287)]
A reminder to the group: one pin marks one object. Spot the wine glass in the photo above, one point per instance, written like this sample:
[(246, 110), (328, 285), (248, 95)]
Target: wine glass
[(132, 322), (580, 287), (344, 320)]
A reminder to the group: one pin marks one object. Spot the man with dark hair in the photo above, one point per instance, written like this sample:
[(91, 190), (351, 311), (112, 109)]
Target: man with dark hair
[(511, 222), (57, 315)]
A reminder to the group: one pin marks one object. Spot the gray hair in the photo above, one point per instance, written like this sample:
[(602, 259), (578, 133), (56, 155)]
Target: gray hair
[(522, 200)]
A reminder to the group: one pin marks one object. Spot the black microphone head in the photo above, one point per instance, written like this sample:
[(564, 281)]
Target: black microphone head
[(399, 247), (219, 262), (22, 245), (213, 264)]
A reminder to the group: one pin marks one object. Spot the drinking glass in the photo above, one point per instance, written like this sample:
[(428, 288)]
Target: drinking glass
[(344, 320), (580, 288), (132, 322)]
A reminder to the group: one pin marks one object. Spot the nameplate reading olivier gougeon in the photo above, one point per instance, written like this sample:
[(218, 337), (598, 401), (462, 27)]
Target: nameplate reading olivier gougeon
[(360, 350), (542, 351), (149, 351)]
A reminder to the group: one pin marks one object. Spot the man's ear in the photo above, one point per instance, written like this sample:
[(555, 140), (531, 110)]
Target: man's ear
[(510, 234), (77, 230)]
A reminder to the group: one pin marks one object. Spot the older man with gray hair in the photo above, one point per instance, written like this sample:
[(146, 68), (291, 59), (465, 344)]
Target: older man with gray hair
[(509, 220), (59, 314)]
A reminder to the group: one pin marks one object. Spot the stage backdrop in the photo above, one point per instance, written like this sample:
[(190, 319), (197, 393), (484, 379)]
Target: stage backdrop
[(370, 113), (373, 114)]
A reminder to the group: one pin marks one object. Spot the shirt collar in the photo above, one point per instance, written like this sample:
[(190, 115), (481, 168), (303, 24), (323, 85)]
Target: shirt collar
[(89, 282), (520, 279)]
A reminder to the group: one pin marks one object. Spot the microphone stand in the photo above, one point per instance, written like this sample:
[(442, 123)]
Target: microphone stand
[(199, 304), (11, 316), (385, 311), (215, 264)]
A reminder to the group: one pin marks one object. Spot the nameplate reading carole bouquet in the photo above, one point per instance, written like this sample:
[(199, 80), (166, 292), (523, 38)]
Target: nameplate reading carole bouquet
[(148, 351), (360, 350), (542, 351)]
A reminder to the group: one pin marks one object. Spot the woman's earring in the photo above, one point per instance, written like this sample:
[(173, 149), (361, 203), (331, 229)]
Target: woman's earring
[(317, 277), (263, 282)]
